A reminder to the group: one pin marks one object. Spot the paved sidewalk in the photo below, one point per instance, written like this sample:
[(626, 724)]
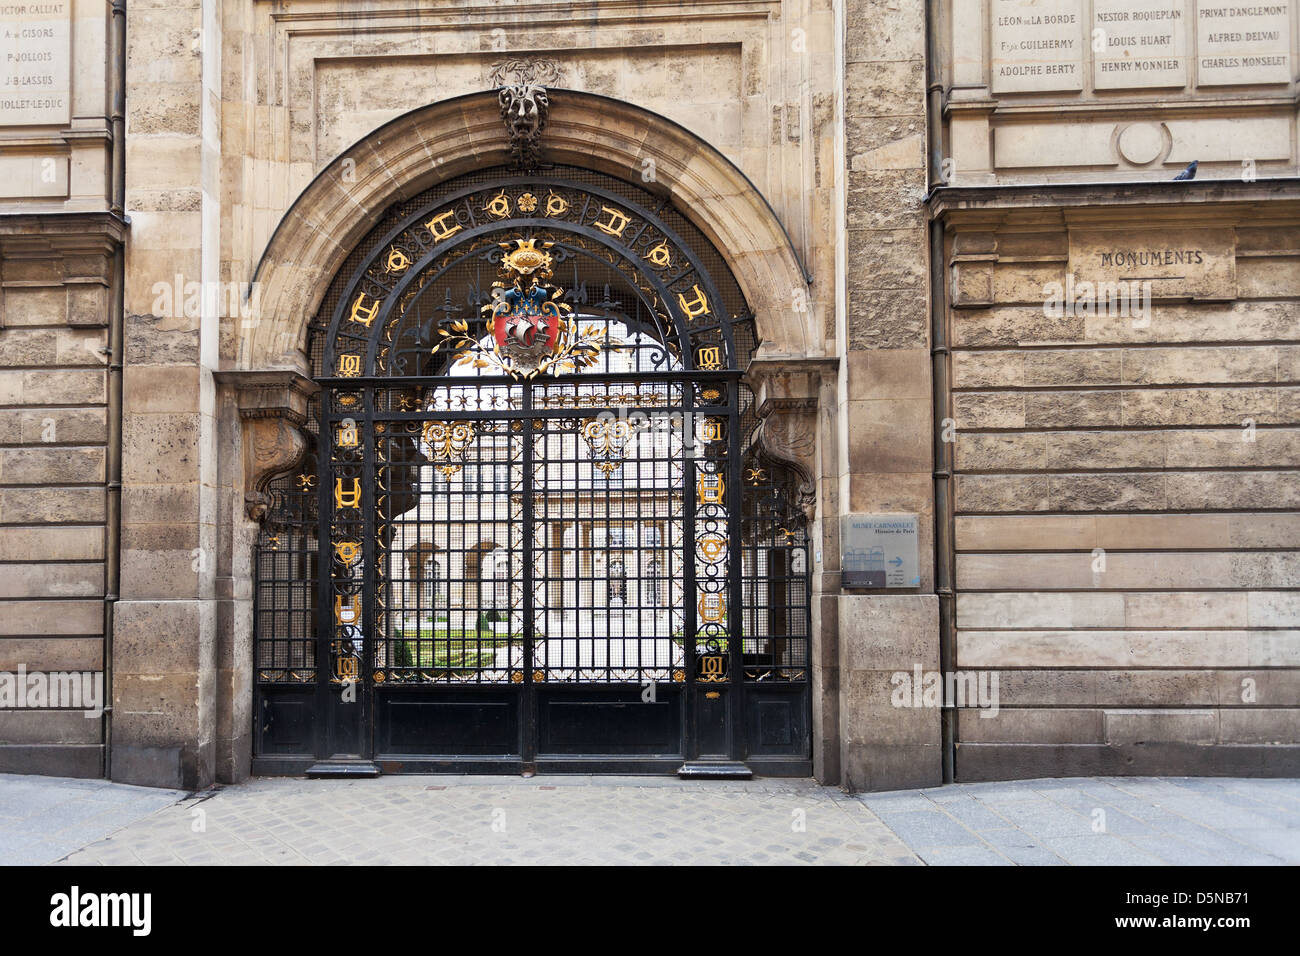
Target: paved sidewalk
[(658, 820), (505, 820), (43, 819), (1107, 821)]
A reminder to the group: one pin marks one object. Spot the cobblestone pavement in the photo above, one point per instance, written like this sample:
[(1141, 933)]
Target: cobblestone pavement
[(575, 820), (1108, 821), (43, 819)]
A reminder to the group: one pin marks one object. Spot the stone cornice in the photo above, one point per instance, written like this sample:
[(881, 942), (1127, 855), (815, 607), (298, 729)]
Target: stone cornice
[(765, 363), (269, 393), (45, 234), (1043, 202)]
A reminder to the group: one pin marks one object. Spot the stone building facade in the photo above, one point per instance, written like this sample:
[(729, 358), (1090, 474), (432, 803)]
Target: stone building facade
[(982, 299)]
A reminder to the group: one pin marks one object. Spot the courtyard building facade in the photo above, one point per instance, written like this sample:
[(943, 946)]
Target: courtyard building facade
[(886, 391)]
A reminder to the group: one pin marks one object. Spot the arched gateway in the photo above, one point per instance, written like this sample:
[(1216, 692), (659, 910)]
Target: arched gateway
[(531, 527)]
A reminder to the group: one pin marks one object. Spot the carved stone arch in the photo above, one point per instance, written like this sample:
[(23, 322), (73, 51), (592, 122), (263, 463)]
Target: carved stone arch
[(435, 143)]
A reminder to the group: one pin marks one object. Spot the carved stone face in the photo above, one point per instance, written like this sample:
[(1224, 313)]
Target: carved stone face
[(523, 106)]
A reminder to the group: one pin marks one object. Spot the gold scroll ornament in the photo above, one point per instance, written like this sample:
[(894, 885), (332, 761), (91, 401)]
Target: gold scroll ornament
[(448, 441), (607, 438)]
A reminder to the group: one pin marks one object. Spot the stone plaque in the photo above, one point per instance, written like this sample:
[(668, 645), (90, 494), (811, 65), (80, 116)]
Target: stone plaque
[(879, 551), (24, 177), (1139, 44), (1037, 45), (1178, 263), (36, 50), (1243, 43)]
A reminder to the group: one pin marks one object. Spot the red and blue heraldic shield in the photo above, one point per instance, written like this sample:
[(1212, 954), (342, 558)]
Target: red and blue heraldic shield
[(537, 332)]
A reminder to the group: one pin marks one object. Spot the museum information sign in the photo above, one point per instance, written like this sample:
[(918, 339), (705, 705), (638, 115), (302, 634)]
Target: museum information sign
[(879, 551), (36, 50)]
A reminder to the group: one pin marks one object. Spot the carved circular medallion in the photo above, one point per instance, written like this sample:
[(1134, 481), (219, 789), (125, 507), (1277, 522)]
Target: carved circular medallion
[(1141, 143)]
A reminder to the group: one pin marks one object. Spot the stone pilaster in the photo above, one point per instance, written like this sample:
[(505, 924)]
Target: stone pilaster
[(165, 648), (885, 459)]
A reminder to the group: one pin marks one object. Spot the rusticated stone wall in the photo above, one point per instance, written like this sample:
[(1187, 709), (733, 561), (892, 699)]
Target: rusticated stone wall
[(53, 433), (58, 239), (1128, 504)]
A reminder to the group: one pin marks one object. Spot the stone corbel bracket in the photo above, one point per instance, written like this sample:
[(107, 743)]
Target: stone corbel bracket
[(272, 411), (786, 395)]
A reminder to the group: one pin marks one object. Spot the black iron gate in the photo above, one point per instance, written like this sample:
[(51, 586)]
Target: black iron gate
[(559, 553)]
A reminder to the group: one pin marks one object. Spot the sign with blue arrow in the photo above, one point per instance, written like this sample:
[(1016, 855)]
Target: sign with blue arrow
[(879, 551)]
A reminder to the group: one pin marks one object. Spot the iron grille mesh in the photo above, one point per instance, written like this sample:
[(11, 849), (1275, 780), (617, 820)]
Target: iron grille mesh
[(773, 552)]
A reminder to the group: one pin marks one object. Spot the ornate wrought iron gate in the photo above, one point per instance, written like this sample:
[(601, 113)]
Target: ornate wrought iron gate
[(532, 531)]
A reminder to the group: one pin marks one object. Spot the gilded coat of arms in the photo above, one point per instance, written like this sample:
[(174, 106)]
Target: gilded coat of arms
[(531, 329)]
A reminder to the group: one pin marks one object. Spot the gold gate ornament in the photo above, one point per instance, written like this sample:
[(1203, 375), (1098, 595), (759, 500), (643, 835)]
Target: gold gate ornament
[(347, 551), (696, 307), (345, 497), (709, 357), (362, 315), (397, 262), (713, 547), (713, 669), (448, 442), (710, 488), (712, 607), (347, 667), (607, 438), (349, 613)]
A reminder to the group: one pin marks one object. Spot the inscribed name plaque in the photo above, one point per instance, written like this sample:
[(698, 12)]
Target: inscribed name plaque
[(1243, 43), (1037, 45), (1144, 44), (36, 50), (1177, 263), (879, 551)]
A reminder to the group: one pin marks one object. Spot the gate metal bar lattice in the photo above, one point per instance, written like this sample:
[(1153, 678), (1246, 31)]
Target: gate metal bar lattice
[(510, 565)]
